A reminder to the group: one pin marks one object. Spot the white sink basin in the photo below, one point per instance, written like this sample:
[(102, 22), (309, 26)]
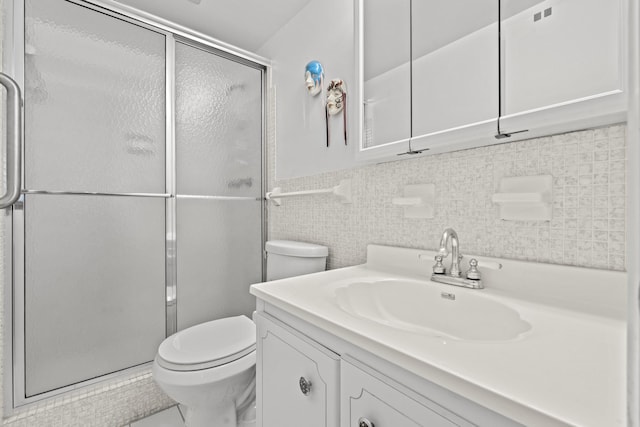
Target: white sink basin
[(425, 307)]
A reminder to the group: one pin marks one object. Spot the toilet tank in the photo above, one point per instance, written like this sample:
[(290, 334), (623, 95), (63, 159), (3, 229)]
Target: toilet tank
[(286, 258)]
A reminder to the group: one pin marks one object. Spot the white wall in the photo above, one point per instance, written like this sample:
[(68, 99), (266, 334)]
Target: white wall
[(323, 31)]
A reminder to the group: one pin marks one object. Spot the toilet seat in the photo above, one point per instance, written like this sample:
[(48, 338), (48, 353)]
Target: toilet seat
[(208, 345)]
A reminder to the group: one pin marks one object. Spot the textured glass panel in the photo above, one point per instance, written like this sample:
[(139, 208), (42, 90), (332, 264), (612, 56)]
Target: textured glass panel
[(218, 125), (94, 101), (219, 256), (94, 286)]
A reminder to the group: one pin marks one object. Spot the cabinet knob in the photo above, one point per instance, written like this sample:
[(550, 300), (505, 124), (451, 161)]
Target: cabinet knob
[(363, 422), (305, 386)]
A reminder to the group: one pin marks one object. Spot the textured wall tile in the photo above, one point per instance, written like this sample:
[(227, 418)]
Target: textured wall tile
[(588, 222)]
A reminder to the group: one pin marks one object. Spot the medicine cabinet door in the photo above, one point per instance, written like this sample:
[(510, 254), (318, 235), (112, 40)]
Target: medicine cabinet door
[(562, 64), (385, 70), (455, 82)]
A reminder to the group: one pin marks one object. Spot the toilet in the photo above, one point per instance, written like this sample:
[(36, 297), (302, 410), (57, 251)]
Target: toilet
[(210, 368)]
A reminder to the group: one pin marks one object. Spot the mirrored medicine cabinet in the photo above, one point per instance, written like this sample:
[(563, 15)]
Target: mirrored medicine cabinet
[(442, 76)]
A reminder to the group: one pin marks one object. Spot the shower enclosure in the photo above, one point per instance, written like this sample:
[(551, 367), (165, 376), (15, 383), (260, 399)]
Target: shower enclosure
[(142, 210)]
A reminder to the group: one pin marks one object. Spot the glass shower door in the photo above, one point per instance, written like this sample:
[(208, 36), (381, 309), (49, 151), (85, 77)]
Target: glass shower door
[(93, 284), (143, 191), (219, 184)]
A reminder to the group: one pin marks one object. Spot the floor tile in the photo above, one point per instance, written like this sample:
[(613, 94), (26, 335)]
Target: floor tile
[(167, 418)]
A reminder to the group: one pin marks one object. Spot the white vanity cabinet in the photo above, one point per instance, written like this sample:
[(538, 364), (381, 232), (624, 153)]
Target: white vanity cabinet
[(369, 399), (297, 380), (342, 390), (392, 374)]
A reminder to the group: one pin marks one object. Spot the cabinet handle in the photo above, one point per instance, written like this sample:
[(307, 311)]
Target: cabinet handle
[(305, 386), (363, 422)]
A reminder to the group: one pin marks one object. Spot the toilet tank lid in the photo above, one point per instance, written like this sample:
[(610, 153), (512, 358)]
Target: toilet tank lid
[(299, 249)]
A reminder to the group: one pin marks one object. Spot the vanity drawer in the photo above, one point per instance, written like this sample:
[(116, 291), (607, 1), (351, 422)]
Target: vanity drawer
[(369, 399), (297, 379)]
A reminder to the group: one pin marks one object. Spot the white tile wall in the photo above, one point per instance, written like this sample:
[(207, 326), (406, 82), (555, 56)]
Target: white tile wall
[(587, 229)]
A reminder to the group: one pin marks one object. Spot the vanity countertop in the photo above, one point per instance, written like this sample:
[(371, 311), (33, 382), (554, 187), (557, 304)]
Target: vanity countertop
[(569, 369)]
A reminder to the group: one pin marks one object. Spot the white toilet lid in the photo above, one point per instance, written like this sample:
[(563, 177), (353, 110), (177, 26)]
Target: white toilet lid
[(208, 344)]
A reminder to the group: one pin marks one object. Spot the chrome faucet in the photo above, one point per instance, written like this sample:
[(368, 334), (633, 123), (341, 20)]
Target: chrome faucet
[(454, 277), (451, 235)]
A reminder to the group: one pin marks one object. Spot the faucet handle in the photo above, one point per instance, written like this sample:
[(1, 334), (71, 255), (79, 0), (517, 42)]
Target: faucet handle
[(473, 273), (438, 267)]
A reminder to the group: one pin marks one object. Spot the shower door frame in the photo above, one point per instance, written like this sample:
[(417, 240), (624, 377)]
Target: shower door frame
[(13, 51)]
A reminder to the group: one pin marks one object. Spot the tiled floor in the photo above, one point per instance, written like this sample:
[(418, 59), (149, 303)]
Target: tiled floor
[(171, 417)]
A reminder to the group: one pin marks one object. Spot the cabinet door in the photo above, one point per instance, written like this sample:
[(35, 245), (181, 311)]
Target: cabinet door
[(284, 359), (563, 64), (385, 51), (454, 79), (365, 397)]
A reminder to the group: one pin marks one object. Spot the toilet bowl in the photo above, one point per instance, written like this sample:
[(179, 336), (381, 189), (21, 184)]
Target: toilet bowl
[(210, 368)]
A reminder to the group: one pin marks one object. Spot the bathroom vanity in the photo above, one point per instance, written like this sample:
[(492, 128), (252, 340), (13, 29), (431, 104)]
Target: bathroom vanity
[(381, 345)]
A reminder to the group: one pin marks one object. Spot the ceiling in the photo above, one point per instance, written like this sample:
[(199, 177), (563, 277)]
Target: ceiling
[(247, 24)]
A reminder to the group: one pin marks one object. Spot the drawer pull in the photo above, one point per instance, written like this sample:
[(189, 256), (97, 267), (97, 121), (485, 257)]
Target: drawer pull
[(363, 422), (305, 386)]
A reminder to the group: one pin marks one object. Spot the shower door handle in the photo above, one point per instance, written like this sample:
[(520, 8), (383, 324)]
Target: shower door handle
[(14, 141)]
